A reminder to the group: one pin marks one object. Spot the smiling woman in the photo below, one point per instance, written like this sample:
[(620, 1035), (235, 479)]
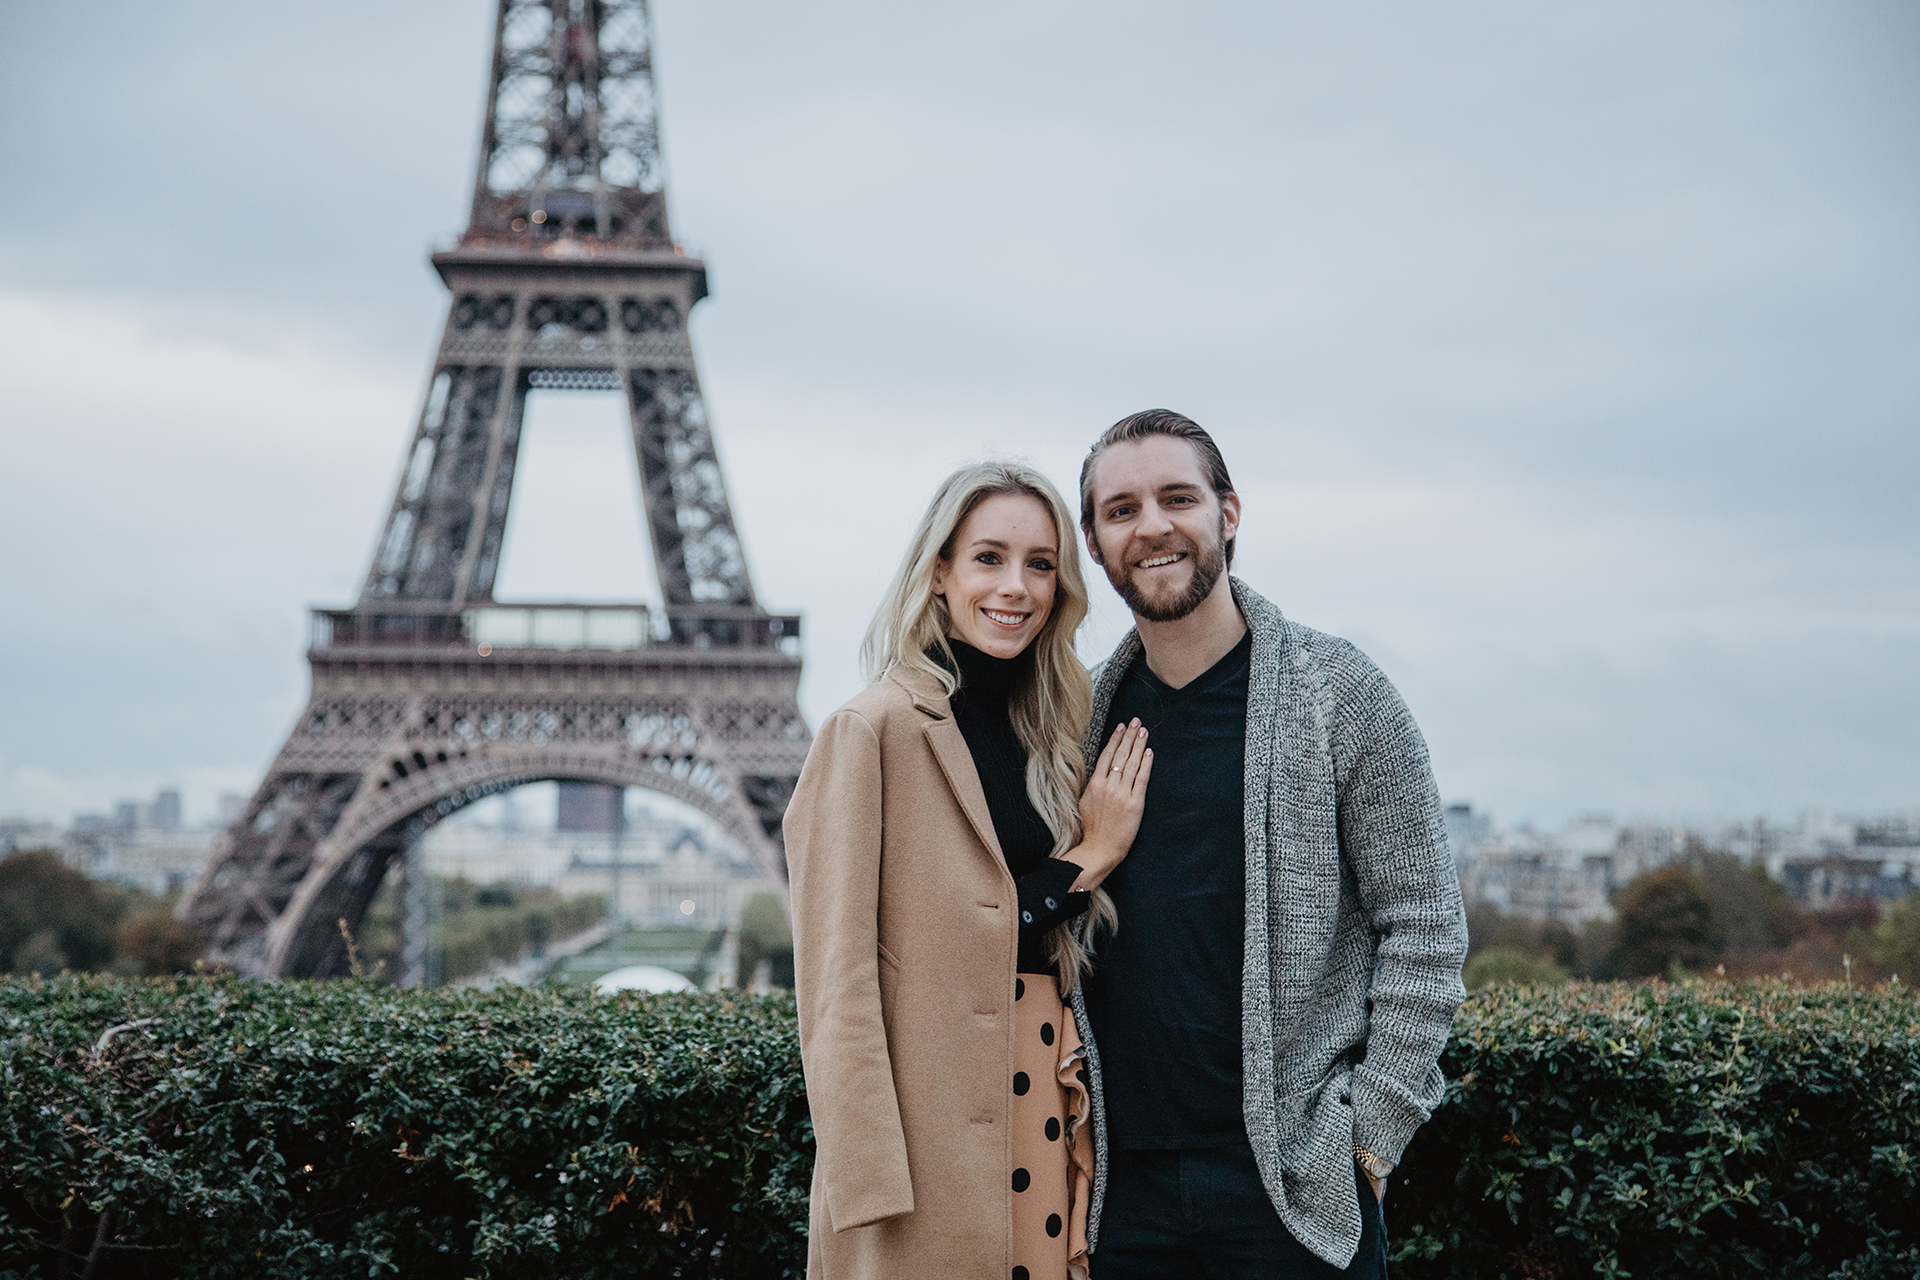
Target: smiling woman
[(944, 1072)]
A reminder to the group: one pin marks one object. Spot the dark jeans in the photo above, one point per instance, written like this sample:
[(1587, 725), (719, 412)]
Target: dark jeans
[(1204, 1215)]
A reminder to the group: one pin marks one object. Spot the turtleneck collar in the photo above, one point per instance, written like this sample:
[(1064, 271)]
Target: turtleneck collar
[(985, 677)]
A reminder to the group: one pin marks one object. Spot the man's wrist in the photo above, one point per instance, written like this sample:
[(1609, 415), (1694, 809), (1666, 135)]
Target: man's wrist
[(1370, 1164)]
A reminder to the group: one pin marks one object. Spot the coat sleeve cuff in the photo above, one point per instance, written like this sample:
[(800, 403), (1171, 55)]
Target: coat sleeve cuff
[(868, 1205), (1046, 897)]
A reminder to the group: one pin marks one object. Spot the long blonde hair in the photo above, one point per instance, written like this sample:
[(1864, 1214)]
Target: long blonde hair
[(1049, 708)]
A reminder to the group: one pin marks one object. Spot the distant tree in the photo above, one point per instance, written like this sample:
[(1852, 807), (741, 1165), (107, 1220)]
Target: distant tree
[(51, 916), (1491, 929), (1751, 910), (1849, 916), (765, 935), (1664, 919), (1499, 966), (1560, 942), (158, 944), (1896, 940), (40, 953)]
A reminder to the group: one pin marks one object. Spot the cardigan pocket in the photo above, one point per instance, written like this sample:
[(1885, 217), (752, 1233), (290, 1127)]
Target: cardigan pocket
[(1315, 1139)]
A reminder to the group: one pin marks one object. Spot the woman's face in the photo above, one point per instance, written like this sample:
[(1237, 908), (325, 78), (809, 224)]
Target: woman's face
[(1000, 582)]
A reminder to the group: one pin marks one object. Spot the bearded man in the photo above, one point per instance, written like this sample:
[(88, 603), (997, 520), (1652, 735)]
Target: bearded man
[(1264, 1029)]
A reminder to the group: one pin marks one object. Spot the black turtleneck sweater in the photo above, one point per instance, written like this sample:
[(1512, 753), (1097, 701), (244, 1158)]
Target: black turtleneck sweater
[(980, 709)]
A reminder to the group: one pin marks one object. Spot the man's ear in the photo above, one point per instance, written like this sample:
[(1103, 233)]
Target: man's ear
[(1229, 515), (1093, 546)]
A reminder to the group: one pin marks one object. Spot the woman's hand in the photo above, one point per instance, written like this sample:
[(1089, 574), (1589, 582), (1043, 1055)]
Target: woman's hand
[(1111, 805)]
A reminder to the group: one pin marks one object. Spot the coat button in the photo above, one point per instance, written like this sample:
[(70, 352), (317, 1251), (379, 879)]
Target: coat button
[(1026, 917), (1052, 905)]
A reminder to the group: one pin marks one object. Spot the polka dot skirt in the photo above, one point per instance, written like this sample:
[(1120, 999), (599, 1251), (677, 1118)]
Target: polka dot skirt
[(1052, 1148)]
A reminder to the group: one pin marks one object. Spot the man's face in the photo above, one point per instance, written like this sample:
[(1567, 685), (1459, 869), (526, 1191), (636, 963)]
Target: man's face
[(1159, 530)]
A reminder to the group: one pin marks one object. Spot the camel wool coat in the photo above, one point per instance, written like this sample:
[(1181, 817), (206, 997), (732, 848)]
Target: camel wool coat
[(904, 944)]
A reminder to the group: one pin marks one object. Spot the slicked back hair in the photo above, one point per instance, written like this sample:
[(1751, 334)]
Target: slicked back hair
[(1157, 422)]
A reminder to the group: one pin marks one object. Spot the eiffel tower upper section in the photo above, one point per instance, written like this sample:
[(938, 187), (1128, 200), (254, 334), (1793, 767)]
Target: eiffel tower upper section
[(567, 277)]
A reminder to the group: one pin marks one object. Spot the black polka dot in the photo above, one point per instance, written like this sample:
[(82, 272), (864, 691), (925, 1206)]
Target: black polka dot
[(1053, 1224), (1020, 1273), (1019, 987), (1021, 1084), (1046, 1033), (1053, 1129), (1021, 1179)]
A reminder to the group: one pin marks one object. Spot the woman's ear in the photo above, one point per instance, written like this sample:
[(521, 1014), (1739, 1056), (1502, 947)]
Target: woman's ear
[(940, 578)]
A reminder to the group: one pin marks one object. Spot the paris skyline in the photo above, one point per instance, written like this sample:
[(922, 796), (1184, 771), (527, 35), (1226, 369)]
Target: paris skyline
[(1564, 360)]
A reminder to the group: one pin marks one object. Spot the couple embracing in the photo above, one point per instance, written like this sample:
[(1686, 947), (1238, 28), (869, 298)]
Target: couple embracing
[(1139, 975)]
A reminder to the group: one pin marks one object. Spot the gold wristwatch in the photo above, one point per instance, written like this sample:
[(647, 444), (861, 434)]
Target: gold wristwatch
[(1370, 1164)]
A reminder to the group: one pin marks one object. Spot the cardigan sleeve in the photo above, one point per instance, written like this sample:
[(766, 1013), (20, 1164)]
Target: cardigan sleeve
[(1393, 836), (833, 835)]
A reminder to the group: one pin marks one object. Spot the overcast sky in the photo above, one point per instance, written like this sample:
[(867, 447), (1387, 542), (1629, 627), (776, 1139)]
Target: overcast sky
[(1567, 357)]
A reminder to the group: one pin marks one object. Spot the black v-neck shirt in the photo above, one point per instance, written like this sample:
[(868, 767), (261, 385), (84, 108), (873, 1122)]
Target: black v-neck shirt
[(1164, 995)]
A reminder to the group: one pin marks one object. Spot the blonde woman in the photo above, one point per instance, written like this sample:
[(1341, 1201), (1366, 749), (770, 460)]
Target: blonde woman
[(945, 866)]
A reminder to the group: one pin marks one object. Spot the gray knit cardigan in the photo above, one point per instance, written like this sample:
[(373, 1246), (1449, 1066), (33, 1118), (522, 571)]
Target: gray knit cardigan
[(1355, 930)]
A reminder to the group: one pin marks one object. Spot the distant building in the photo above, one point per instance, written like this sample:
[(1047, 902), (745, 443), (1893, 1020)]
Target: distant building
[(672, 873), (1467, 830), (1819, 884), (164, 813), (148, 845), (161, 862), (17, 834), (1570, 874)]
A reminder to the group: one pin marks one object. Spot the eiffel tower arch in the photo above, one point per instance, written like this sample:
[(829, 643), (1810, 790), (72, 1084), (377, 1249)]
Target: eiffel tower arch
[(428, 694)]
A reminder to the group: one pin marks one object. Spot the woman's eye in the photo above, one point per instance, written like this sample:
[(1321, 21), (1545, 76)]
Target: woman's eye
[(1043, 565), (988, 557)]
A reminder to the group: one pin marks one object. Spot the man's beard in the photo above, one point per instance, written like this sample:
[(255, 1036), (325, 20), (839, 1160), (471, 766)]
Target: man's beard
[(1209, 562)]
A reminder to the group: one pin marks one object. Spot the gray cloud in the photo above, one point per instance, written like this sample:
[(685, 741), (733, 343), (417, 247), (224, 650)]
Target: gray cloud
[(1565, 354)]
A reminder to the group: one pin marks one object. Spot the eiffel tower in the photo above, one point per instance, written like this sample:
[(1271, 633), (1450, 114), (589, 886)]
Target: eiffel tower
[(428, 694)]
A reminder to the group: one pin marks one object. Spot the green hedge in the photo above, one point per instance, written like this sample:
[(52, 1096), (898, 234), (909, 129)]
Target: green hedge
[(1694, 1130), (342, 1129), (339, 1129)]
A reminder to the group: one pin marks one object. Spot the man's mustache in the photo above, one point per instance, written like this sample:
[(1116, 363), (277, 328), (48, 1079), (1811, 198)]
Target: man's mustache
[(1160, 546)]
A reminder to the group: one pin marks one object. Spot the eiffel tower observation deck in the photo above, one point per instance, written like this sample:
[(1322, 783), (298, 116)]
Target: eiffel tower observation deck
[(428, 694)]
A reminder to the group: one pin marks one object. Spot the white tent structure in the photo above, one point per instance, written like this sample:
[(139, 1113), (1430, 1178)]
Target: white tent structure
[(650, 978)]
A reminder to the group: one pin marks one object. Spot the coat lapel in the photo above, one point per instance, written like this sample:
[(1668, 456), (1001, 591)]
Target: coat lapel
[(949, 748), (956, 762)]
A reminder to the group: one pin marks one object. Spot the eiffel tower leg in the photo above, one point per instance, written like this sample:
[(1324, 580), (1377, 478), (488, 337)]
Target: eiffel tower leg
[(415, 926)]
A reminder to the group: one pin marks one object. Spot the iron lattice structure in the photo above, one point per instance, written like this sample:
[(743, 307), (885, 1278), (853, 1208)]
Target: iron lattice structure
[(428, 694)]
